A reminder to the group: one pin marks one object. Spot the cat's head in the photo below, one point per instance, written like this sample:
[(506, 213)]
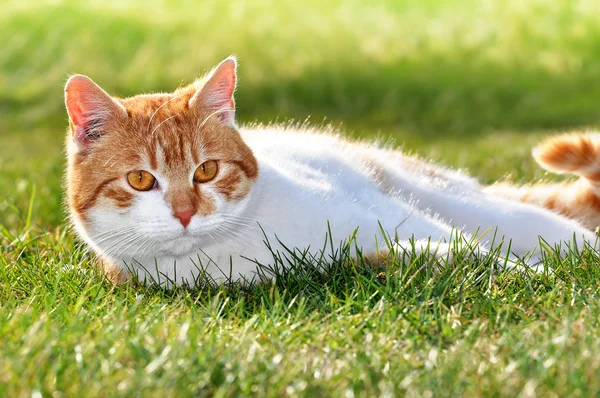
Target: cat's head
[(156, 175)]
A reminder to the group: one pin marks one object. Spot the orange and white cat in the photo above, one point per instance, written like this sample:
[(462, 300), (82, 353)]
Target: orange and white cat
[(169, 187), (578, 154)]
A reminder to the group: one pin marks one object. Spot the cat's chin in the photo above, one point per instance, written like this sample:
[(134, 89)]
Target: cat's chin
[(184, 245)]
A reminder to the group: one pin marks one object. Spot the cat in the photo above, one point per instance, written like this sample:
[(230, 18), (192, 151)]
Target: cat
[(166, 186), (576, 153)]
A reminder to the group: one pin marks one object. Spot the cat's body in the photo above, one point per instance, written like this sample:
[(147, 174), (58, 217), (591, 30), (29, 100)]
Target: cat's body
[(577, 154), (149, 197)]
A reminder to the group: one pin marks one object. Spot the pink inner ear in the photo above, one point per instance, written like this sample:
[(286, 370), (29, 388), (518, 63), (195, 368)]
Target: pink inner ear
[(89, 107), (222, 94), (78, 89), (221, 97), (227, 111), (80, 136), (75, 112), (217, 92)]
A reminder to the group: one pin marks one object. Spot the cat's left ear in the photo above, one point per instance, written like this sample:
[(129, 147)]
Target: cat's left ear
[(216, 94)]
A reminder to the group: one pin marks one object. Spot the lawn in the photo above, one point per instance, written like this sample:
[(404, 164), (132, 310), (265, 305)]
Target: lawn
[(470, 84)]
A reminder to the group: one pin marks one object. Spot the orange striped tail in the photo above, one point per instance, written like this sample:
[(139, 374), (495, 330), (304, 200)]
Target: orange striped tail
[(571, 153)]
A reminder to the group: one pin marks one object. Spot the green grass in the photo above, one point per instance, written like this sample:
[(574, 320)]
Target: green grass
[(472, 84)]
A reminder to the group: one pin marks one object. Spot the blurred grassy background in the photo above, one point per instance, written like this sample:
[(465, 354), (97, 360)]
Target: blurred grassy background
[(470, 83)]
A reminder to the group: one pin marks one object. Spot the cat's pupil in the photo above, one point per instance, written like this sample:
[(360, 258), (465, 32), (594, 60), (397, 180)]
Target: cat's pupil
[(140, 176), (203, 168)]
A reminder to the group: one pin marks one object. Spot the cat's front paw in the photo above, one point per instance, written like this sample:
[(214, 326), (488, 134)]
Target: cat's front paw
[(114, 273), (407, 251)]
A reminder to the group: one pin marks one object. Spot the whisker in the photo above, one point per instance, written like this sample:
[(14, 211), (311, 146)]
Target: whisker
[(157, 109), (219, 234), (226, 233), (253, 220), (116, 238), (110, 231), (149, 241), (106, 236), (238, 223), (161, 123), (211, 115), (122, 244)]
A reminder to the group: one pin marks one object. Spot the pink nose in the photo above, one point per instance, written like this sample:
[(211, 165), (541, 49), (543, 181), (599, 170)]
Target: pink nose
[(184, 216)]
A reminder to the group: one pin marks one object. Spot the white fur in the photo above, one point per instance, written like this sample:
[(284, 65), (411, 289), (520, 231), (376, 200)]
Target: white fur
[(305, 181)]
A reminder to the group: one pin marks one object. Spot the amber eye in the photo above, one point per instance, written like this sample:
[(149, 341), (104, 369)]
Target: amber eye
[(141, 180), (206, 171)]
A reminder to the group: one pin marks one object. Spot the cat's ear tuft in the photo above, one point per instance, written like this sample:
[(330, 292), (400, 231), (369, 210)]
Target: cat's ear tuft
[(89, 108), (216, 94)]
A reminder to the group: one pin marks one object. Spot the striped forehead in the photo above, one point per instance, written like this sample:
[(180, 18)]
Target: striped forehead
[(165, 124), (157, 105), (173, 149)]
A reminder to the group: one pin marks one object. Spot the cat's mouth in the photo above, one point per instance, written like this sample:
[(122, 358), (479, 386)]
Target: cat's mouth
[(182, 245), (174, 242), (186, 242)]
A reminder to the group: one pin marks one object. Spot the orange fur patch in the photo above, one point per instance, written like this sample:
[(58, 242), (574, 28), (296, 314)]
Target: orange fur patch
[(587, 198), (551, 201), (570, 153), (566, 153)]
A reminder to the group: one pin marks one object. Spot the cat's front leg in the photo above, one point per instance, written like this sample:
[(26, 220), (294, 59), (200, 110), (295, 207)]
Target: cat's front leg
[(117, 275), (433, 255), (421, 234)]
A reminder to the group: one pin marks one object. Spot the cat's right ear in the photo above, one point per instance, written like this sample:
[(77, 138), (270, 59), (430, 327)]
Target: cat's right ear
[(89, 108)]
